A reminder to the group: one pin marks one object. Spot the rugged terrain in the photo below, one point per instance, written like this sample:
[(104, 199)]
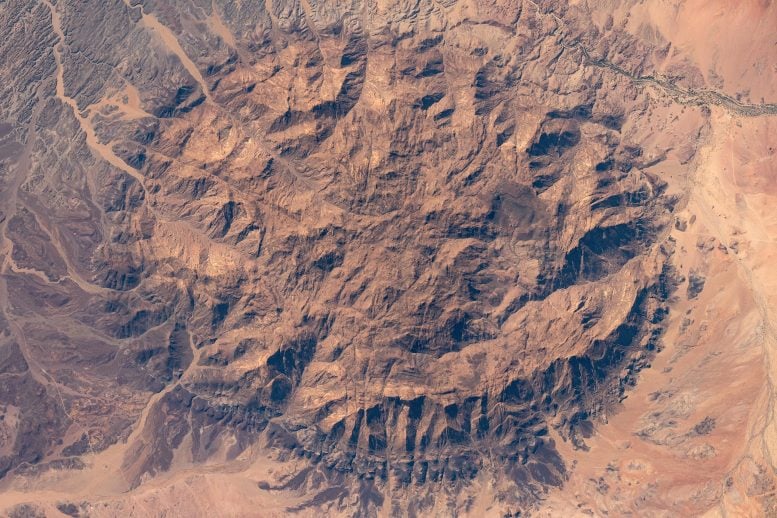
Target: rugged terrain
[(387, 258)]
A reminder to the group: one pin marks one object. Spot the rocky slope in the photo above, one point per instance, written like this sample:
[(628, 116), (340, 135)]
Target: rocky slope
[(369, 258)]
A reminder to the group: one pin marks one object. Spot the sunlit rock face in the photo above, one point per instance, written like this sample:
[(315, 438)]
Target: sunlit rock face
[(385, 258)]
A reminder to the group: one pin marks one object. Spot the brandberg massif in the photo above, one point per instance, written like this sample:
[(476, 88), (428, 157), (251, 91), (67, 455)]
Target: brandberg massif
[(388, 258)]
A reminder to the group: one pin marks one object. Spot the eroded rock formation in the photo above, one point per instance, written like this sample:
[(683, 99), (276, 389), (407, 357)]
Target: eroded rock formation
[(396, 250)]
